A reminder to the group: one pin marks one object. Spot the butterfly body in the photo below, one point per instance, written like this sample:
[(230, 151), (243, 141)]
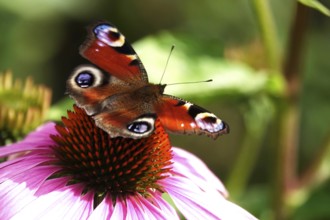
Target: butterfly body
[(117, 94)]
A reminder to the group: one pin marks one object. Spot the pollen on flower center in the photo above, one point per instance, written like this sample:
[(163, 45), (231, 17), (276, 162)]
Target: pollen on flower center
[(118, 166)]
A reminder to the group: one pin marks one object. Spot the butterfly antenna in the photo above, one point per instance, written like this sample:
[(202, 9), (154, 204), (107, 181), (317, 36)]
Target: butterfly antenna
[(168, 59), (202, 81)]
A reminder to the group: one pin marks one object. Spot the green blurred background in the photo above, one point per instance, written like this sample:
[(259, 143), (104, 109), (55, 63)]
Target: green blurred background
[(224, 41)]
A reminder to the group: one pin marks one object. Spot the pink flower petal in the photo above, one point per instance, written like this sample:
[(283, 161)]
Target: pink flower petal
[(135, 207), (39, 137), (19, 191), (165, 206), (194, 203), (103, 211), (64, 203), (119, 211), (11, 168), (149, 210), (193, 168)]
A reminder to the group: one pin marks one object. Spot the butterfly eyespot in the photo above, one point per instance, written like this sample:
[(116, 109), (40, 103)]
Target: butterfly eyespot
[(109, 35), (84, 79), (142, 126), (139, 127), (86, 76), (209, 122), (104, 28)]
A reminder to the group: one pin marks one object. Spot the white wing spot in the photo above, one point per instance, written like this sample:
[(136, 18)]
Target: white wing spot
[(132, 56), (193, 125), (187, 105), (209, 126)]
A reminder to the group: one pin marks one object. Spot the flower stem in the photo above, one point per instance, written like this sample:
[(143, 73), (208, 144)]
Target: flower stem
[(286, 122), (285, 144), (268, 33), (256, 117), (318, 170)]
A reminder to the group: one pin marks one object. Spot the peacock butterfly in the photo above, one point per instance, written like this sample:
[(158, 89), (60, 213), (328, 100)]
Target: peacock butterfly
[(115, 91)]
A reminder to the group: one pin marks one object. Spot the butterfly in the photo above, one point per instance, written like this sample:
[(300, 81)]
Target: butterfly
[(116, 93)]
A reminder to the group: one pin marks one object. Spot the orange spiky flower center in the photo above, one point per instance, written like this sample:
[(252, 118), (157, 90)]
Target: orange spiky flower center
[(118, 166)]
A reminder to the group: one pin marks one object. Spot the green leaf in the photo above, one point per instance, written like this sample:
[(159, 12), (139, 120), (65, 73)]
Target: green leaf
[(39, 9), (316, 5), (59, 109), (315, 205), (229, 77)]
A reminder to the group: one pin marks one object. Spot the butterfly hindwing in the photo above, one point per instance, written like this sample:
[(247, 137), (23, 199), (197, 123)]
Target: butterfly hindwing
[(135, 120), (124, 124)]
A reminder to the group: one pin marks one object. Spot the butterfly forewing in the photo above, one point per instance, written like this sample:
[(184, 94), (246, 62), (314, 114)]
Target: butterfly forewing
[(107, 48), (182, 117)]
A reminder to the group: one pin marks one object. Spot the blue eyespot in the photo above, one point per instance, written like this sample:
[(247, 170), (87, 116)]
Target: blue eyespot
[(101, 28), (84, 79), (139, 127)]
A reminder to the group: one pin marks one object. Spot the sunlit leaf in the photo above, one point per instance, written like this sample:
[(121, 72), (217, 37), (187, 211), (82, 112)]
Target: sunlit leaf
[(59, 109), (228, 76)]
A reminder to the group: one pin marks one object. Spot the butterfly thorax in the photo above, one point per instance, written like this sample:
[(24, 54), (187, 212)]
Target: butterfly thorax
[(149, 93)]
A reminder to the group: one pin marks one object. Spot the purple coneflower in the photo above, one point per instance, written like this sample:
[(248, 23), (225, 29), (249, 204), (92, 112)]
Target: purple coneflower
[(78, 172)]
